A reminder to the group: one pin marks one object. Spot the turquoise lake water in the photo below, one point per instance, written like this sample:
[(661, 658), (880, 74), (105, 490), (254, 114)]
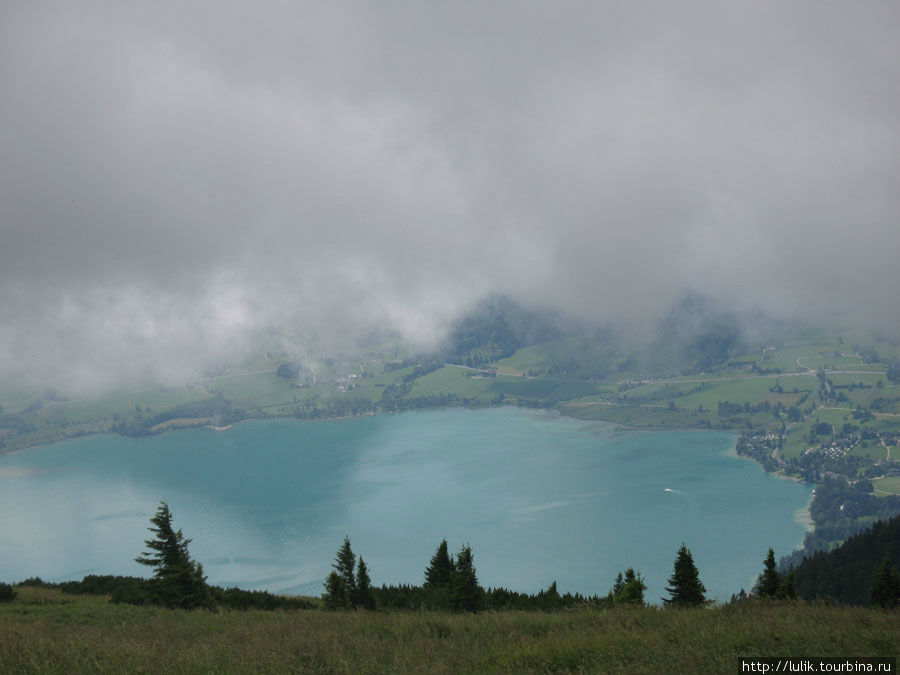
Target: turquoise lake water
[(539, 497)]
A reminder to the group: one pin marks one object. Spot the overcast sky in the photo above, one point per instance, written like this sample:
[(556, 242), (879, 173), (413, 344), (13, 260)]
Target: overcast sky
[(174, 176)]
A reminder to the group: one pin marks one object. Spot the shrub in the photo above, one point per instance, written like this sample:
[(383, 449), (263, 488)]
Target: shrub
[(7, 592)]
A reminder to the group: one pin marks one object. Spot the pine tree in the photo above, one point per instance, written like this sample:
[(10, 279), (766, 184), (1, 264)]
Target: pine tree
[(340, 586), (768, 583), (177, 580), (685, 588), (465, 594), (440, 569), (630, 589), (885, 591), (364, 596), (344, 563)]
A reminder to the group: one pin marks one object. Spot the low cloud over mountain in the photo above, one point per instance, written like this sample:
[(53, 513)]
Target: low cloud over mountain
[(176, 179)]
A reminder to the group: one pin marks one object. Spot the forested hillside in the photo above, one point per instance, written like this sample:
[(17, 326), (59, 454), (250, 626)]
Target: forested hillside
[(846, 574)]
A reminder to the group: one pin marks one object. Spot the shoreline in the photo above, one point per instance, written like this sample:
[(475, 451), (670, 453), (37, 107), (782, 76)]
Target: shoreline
[(732, 451), (801, 516), (624, 426), (804, 517), (12, 451)]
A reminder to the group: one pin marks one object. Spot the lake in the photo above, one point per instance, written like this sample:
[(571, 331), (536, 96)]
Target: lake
[(540, 497)]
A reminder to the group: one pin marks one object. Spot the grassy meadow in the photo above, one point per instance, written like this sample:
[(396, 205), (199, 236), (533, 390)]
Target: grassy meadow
[(887, 485), (44, 630)]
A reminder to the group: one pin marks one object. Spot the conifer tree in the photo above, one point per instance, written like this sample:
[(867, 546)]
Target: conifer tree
[(551, 595), (768, 583), (344, 563), (885, 591), (787, 589), (340, 586), (365, 596), (685, 588), (440, 569), (618, 585), (177, 580), (465, 594), (335, 592), (630, 589)]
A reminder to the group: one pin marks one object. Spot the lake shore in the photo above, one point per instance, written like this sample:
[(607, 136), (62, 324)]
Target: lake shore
[(556, 471)]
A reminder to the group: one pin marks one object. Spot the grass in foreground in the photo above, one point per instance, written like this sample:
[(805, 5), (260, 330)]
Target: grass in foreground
[(47, 631)]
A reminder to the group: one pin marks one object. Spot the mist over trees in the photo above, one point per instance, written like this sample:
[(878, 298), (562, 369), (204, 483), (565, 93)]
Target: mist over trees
[(496, 327), (296, 372), (696, 334)]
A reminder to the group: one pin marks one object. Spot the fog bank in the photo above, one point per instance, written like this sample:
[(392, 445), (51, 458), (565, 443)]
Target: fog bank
[(177, 181)]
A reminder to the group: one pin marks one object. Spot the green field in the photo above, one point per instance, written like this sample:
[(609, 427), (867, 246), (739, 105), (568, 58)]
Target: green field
[(452, 380), (544, 388), (888, 485), (577, 355), (47, 631), (866, 379), (752, 390), (103, 408), (875, 451), (794, 444), (651, 416)]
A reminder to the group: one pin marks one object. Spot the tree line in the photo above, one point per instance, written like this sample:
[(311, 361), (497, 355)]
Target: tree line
[(219, 410), (451, 582)]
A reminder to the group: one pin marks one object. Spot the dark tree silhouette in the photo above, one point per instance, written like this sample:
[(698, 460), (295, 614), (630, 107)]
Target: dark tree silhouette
[(340, 586), (344, 563), (885, 592), (685, 588), (7, 593), (768, 583), (440, 569), (177, 580), (787, 589), (465, 593), (365, 596), (335, 592)]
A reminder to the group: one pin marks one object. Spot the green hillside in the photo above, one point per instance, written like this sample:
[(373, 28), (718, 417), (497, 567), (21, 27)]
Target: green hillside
[(846, 574), (47, 631)]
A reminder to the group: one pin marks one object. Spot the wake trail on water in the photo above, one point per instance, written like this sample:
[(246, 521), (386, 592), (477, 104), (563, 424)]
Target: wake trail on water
[(690, 500)]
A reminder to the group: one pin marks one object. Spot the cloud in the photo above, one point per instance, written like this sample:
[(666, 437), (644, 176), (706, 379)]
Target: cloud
[(175, 179)]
